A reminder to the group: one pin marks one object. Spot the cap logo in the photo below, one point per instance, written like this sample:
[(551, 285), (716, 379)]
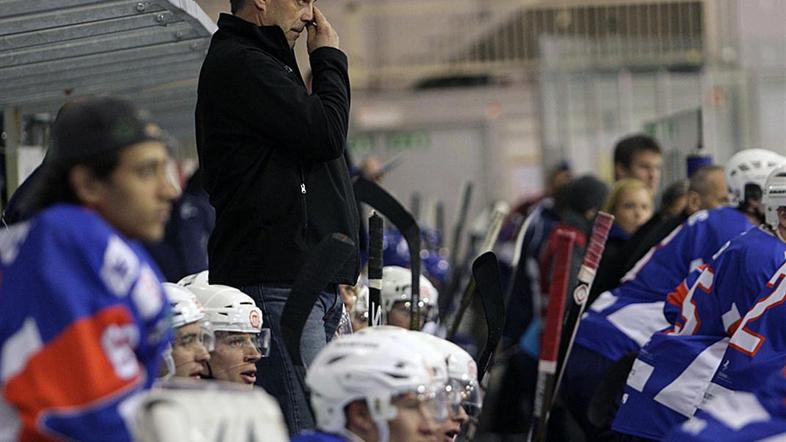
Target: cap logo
[(255, 319)]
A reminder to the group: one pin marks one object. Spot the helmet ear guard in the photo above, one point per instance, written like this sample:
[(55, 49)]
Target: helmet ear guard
[(774, 196)]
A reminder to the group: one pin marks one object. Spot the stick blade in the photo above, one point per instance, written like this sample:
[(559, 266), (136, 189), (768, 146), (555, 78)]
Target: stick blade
[(485, 270)]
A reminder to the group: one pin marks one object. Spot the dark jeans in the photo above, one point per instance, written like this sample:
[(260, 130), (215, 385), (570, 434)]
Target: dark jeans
[(276, 374)]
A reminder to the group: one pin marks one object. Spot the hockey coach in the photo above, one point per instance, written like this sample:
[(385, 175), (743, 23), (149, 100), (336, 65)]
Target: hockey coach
[(274, 165)]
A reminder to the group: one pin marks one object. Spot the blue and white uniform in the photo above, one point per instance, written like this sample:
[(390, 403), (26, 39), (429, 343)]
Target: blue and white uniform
[(757, 347), (620, 321), (672, 371), (83, 324), (318, 436), (741, 417)]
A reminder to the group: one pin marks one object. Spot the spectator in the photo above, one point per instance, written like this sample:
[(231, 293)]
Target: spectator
[(78, 291), (638, 156), (272, 155), (630, 202)]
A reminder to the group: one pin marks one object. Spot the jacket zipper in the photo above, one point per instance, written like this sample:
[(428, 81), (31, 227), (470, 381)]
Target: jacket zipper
[(303, 199)]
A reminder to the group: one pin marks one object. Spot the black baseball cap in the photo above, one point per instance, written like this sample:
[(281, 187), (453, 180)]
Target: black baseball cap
[(90, 126)]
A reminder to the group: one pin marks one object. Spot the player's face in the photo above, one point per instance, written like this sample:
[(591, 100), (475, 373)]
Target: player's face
[(234, 358), (633, 209), (414, 421), (646, 166), (452, 426), (400, 316), (289, 15), (137, 197), (189, 351)]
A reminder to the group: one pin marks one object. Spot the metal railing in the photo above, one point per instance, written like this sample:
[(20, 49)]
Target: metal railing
[(397, 44)]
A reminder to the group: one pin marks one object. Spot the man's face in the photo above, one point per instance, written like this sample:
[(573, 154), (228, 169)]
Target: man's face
[(234, 358), (452, 425), (289, 15), (399, 315), (413, 422), (137, 197), (646, 166), (189, 351)]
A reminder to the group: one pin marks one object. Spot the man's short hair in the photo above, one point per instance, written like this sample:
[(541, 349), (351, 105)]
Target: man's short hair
[(673, 193), (628, 147), (235, 5), (699, 182)]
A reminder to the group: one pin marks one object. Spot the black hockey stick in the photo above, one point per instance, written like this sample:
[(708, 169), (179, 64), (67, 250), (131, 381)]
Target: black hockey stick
[(485, 271), (446, 298), (498, 214), (323, 263), (375, 229), (378, 198)]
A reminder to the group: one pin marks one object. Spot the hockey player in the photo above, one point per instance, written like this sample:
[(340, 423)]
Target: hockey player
[(375, 386), (83, 317), (741, 417), (757, 347), (620, 321), (240, 339), (672, 371), (465, 398), (396, 293), (189, 352)]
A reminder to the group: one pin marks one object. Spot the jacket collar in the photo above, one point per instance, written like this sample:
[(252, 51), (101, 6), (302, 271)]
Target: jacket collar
[(270, 38)]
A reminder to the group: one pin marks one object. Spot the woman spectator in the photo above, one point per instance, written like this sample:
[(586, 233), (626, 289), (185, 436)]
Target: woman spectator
[(630, 201)]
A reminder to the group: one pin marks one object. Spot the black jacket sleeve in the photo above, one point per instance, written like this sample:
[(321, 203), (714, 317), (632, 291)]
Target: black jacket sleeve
[(308, 127)]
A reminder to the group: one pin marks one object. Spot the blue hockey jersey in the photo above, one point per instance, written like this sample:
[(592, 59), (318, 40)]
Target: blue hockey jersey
[(317, 436), (620, 321), (758, 344), (741, 417), (672, 371), (83, 324)]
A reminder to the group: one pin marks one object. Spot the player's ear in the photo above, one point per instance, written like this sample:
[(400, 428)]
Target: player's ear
[(359, 420), (694, 202), (260, 5)]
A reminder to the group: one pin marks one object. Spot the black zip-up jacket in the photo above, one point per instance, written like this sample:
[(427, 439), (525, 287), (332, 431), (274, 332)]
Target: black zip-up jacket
[(272, 155)]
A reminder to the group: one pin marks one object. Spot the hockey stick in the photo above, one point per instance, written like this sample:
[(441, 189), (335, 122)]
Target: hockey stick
[(375, 196), (323, 263), (576, 306), (485, 271), (457, 269), (547, 363), (375, 229), (498, 214)]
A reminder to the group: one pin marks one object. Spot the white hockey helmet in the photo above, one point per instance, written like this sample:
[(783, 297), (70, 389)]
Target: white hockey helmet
[(370, 366), (749, 167), (200, 278), (463, 388), (397, 287), (230, 310), (419, 343), (774, 196), (185, 307)]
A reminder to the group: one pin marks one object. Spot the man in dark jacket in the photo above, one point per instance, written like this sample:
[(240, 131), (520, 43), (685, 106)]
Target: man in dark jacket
[(273, 164)]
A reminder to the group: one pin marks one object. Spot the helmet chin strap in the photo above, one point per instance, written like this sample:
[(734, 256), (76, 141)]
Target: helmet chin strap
[(382, 411)]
